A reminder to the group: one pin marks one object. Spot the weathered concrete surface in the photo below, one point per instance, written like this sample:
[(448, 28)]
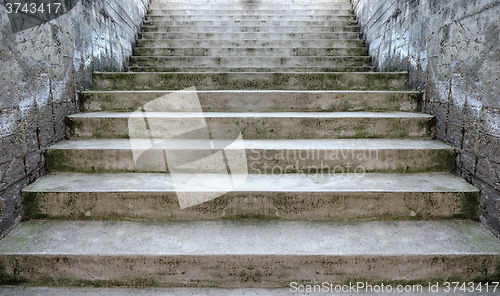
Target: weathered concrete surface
[(238, 11), (250, 81), (336, 26), (341, 197), (164, 15), (250, 69), (263, 156), (254, 6), (226, 36), (257, 101), (265, 125), (209, 27), (452, 51), (265, 254), (234, 51), (41, 70), (304, 43)]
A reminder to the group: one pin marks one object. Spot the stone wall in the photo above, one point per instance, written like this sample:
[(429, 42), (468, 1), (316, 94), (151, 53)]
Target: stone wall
[(452, 52), (41, 70)]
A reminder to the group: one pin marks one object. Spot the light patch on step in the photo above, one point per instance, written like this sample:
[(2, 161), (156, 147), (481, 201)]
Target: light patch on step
[(230, 162)]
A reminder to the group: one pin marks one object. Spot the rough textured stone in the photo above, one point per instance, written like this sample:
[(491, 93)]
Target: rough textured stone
[(42, 68), (451, 49)]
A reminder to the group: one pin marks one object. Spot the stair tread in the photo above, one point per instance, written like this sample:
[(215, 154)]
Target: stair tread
[(338, 115), (258, 238), (339, 183), (320, 144)]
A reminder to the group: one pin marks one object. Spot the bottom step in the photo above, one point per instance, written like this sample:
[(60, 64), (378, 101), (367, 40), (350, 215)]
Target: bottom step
[(250, 254)]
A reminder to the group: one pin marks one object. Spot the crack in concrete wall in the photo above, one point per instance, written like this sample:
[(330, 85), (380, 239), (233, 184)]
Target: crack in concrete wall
[(42, 69), (452, 51)]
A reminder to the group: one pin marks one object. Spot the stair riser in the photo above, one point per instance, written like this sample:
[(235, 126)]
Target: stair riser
[(250, 36), (251, 11), (339, 25), (250, 52), (255, 127), (297, 43), (268, 161), (259, 101), (251, 81), (236, 28), (244, 62), (243, 270), (296, 206)]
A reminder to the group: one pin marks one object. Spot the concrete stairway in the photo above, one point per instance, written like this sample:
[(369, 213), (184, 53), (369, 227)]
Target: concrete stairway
[(344, 180)]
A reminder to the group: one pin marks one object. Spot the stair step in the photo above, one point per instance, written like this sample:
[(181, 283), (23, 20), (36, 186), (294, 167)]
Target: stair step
[(243, 61), (291, 69), (304, 24), (250, 52), (341, 197), (250, 11), (256, 101), (280, 125), (250, 81), (271, 43), (251, 6), (247, 253), (261, 156), (159, 36), (238, 28), (254, 17)]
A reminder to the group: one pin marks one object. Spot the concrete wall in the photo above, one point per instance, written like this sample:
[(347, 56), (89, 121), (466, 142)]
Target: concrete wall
[(41, 71), (452, 52)]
